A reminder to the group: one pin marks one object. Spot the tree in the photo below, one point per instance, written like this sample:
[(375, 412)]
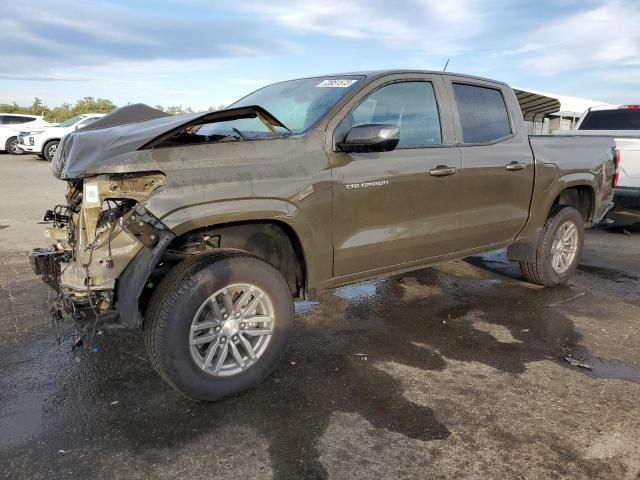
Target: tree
[(84, 105), (38, 107)]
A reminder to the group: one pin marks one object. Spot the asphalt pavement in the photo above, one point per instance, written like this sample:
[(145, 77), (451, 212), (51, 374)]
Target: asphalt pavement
[(457, 371)]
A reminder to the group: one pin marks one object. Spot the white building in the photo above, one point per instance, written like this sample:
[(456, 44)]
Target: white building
[(545, 113)]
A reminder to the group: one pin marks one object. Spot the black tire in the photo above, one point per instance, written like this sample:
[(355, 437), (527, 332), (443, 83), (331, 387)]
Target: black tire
[(47, 147), (541, 270), (11, 146), (40, 156), (177, 299)]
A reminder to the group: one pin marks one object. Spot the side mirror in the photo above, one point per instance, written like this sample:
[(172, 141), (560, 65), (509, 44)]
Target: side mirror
[(371, 137)]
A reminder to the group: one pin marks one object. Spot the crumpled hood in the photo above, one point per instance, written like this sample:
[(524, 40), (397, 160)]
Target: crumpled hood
[(89, 150)]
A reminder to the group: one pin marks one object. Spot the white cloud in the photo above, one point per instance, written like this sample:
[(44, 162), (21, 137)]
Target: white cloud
[(608, 35), (436, 25), (39, 39)]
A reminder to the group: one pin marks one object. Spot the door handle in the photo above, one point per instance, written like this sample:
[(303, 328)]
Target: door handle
[(515, 166), (442, 171)]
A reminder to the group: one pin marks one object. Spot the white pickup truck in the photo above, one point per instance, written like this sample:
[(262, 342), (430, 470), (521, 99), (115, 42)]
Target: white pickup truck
[(623, 123), (44, 141)]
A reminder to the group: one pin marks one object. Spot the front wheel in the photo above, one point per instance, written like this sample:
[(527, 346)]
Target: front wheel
[(218, 324), (558, 250), (13, 147), (50, 149)]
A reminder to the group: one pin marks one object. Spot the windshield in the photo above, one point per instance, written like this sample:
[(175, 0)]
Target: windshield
[(299, 104), (622, 119), (70, 121)]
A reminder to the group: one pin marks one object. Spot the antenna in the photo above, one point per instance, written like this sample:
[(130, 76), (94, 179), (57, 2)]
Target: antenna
[(445, 66)]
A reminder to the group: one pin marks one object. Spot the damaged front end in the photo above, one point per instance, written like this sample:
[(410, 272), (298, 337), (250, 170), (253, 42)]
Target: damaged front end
[(95, 236)]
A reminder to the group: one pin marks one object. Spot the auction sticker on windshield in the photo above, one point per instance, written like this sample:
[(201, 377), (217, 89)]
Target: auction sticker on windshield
[(337, 83)]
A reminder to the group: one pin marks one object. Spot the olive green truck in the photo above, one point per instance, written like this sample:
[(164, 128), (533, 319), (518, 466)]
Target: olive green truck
[(202, 229)]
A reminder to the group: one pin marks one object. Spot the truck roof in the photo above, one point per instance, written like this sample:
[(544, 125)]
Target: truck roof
[(372, 74)]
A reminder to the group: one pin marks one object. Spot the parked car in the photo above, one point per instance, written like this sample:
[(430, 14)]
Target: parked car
[(623, 123), (10, 126), (44, 141), (201, 229)]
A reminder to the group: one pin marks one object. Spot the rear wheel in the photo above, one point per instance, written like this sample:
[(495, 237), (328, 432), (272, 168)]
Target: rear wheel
[(50, 148), (218, 324), (13, 147), (558, 250)]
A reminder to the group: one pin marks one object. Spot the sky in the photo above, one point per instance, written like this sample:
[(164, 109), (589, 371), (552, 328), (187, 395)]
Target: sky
[(201, 53)]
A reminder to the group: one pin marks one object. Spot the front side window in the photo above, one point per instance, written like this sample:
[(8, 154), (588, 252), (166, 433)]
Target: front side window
[(411, 106), (483, 113)]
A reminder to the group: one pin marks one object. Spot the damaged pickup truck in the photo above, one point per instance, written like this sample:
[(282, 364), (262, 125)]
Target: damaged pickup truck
[(202, 229)]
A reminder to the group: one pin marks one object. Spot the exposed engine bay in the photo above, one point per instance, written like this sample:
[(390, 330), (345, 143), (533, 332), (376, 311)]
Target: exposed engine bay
[(95, 236)]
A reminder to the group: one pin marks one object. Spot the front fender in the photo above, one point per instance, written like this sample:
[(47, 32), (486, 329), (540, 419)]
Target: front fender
[(202, 215), (317, 250)]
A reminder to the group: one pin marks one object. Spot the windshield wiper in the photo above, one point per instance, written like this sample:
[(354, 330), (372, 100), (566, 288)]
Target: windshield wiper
[(242, 136), (271, 126)]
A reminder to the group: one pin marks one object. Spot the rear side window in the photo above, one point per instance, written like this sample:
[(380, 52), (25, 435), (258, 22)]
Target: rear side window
[(411, 106), (623, 119), (483, 113), (11, 120)]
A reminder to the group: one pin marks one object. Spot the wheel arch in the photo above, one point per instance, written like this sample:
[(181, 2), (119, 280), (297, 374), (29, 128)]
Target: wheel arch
[(272, 240), (579, 195), (46, 143), (576, 190), (258, 236)]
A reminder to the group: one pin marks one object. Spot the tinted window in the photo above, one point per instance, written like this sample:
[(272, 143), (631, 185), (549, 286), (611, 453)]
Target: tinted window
[(86, 122), (483, 113), (70, 121), (11, 120), (623, 119), (410, 105)]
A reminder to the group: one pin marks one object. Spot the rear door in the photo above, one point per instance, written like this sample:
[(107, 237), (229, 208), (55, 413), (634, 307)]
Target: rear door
[(496, 182), (395, 207)]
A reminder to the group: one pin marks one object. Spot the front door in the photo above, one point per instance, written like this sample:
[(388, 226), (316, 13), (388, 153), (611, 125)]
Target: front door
[(396, 207)]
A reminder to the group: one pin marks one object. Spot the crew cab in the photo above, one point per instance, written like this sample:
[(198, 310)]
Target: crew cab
[(623, 123), (10, 126), (201, 230), (44, 141)]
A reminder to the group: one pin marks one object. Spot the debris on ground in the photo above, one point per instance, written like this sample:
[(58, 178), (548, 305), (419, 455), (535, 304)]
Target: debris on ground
[(578, 363), (581, 294)]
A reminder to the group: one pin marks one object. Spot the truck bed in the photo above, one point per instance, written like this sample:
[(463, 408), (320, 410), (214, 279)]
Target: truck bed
[(559, 158)]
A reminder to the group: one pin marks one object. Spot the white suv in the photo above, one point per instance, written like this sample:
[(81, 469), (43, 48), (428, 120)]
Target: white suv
[(44, 141), (11, 124)]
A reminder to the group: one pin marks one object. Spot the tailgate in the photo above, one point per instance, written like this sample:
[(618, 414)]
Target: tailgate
[(629, 176)]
